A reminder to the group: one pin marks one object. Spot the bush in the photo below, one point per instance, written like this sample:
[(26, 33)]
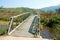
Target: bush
[(53, 22)]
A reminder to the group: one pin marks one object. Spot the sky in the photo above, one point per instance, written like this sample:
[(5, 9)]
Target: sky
[(36, 4)]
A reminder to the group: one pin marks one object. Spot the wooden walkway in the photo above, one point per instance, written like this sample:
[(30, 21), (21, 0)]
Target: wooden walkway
[(23, 29)]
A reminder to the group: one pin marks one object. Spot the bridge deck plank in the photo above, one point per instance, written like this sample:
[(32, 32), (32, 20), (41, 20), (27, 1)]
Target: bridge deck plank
[(24, 28)]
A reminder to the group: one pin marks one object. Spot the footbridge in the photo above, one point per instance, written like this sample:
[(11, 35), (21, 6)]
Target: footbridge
[(24, 25)]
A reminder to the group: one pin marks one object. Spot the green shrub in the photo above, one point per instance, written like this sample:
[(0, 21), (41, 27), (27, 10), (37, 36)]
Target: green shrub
[(53, 22)]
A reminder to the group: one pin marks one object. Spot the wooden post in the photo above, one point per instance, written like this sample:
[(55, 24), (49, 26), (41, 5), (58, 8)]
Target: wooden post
[(10, 25)]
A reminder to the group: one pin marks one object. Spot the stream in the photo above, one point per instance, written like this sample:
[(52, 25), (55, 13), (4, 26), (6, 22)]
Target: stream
[(3, 30)]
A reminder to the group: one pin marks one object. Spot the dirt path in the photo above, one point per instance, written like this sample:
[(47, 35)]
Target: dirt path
[(19, 38)]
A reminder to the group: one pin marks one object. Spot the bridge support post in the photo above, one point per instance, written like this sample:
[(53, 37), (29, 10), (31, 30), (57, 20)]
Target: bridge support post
[(10, 25)]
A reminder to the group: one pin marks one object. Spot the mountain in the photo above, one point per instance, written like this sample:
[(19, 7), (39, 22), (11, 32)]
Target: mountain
[(52, 8)]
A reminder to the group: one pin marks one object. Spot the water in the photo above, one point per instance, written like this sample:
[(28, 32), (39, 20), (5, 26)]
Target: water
[(3, 30)]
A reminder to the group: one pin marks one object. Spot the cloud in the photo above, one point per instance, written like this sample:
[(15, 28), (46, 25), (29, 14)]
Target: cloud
[(55, 2)]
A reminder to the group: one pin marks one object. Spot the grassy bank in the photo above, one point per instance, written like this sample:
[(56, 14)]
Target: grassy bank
[(4, 23), (3, 27)]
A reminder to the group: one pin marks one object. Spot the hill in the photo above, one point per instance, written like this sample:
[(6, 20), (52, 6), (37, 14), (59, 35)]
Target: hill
[(52, 8)]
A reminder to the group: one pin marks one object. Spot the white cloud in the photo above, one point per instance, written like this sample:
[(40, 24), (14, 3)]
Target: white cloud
[(55, 2), (51, 3)]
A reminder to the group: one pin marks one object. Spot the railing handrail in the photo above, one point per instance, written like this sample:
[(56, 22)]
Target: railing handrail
[(20, 15), (10, 24)]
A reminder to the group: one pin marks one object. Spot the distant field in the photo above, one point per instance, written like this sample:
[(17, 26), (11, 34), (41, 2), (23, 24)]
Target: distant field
[(6, 13), (4, 23)]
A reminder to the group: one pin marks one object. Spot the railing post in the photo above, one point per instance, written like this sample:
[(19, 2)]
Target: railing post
[(10, 24)]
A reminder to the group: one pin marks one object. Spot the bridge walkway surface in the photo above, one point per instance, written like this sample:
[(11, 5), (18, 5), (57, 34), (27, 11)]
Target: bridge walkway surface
[(23, 29)]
